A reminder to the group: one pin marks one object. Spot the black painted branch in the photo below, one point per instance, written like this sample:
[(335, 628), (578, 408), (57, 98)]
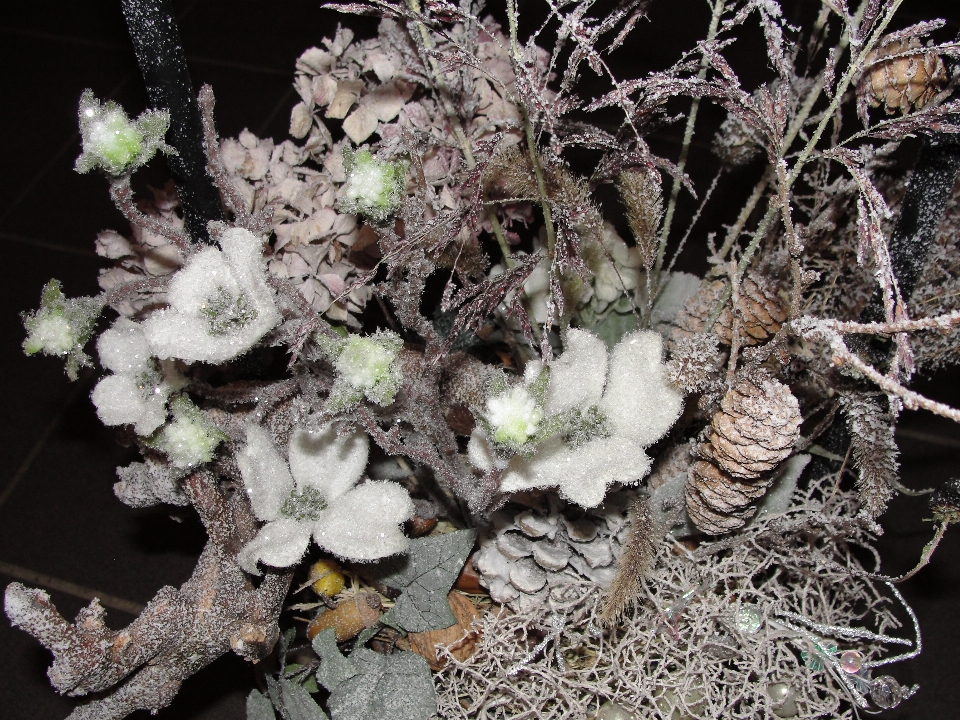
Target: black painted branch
[(156, 42), (931, 186)]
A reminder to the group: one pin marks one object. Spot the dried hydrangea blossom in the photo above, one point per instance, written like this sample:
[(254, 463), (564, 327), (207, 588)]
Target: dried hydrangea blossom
[(137, 391), (612, 407), (219, 303), (317, 495)]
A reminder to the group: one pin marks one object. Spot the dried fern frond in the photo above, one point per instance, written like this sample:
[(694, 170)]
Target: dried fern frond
[(636, 561), (643, 199), (874, 450)]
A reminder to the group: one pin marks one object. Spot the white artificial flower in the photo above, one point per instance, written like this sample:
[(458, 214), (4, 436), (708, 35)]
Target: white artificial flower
[(136, 393), (219, 304), (616, 407), (317, 495)]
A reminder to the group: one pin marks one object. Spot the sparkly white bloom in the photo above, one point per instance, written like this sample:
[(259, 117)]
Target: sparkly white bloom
[(374, 188), (317, 495), (514, 416), (615, 408), (219, 304), (136, 394)]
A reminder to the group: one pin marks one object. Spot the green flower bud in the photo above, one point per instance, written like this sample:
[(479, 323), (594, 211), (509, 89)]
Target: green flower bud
[(374, 188), (115, 143), (190, 438), (61, 327), (366, 367)]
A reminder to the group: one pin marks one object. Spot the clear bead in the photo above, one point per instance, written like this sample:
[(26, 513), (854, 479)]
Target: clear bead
[(886, 692), (748, 619)]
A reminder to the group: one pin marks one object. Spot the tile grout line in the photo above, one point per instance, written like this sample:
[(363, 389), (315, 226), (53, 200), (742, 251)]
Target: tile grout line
[(65, 586), (41, 441)]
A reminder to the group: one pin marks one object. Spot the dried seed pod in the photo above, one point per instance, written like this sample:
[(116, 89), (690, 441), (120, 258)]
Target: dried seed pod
[(754, 431), (326, 577), (902, 83), (643, 200), (761, 312), (349, 617), (460, 638)]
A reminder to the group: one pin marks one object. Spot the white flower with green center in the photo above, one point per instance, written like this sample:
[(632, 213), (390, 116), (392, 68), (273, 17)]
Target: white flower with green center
[(114, 142), (610, 408), (366, 367), (190, 439), (61, 327), (316, 495), (219, 304), (137, 391), (514, 416), (374, 188)]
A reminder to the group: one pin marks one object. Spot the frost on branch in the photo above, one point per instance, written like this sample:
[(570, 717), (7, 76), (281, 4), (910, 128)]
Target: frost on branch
[(609, 410), (874, 451), (317, 495), (220, 304)]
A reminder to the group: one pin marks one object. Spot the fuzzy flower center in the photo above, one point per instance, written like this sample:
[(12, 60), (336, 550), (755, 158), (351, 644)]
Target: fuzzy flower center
[(370, 183), (514, 416), (116, 139), (364, 363), (52, 333)]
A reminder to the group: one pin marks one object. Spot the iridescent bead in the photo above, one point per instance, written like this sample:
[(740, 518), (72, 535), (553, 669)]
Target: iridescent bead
[(851, 661), (748, 619), (613, 711), (886, 692), (783, 700)]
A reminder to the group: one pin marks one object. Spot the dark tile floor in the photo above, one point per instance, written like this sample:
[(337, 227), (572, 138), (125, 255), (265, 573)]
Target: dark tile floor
[(60, 526)]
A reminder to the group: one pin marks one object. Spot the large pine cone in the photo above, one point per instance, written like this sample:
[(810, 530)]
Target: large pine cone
[(902, 83), (762, 312), (755, 430)]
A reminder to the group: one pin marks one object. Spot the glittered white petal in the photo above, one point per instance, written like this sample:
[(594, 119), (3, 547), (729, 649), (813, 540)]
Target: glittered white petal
[(478, 450), (326, 461), (182, 331), (124, 348), (118, 399), (365, 523), (638, 401), (578, 376), (265, 474), (279, 544)]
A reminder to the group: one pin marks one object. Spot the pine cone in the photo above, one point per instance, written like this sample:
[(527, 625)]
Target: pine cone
[(761, 312), (755, 430), (902, 83)]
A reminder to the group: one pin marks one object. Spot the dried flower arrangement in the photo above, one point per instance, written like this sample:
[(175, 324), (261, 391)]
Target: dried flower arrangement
[(525, 467)]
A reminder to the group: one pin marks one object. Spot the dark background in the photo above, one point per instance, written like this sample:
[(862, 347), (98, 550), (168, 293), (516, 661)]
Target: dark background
[(62, 529)]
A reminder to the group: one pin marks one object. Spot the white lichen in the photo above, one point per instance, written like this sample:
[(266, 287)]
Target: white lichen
[(219, 304), (317, 495)]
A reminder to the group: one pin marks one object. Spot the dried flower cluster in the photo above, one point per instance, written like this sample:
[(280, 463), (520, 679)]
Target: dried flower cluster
[(428, 343)]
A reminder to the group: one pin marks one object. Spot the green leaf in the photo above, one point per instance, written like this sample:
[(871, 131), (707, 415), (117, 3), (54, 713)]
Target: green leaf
[(395, 687), (335, 669), (297, 703), (613, 326), (259, 707), (426, 574)]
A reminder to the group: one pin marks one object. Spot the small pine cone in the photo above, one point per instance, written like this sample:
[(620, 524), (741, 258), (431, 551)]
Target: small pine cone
[(761, 312), (710, 521), (756, 428), (902, 83)]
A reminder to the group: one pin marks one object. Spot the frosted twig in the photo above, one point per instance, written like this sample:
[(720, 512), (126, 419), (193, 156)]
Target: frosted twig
[(122, 195)]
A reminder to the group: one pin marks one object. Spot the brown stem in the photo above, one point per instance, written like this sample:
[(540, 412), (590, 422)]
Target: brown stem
[(122, 195)]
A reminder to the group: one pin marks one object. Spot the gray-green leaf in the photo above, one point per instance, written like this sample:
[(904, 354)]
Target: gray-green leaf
[(425, 575), (259, 707), (297, 703), (394, 687), (334, 667)]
